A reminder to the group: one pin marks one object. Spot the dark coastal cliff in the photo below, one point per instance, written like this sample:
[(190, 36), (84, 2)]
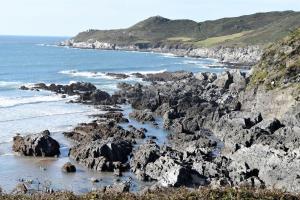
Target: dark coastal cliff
[(230, 40)]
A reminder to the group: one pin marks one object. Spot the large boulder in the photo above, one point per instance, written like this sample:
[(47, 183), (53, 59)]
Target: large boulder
[(223, 80), (239, 81), (168, 76), (40, 145), (269, 126), (100, 155), (87, 132), (169, 172), (100, 97), (263, 166), (68, 168), (145, 154)]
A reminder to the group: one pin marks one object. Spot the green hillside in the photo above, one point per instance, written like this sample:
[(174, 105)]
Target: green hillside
[(255, 29), (280, 64)]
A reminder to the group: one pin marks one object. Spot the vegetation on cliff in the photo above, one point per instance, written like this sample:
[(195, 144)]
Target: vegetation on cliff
[(255, 29), (280, 64)]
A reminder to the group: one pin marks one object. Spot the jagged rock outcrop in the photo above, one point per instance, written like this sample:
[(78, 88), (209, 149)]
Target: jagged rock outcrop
[(39, 145), (101, 155), (228, 129), (142, 115), (87, 92), (87, 132)]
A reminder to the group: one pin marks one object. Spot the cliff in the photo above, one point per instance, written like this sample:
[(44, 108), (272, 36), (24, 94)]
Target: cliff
[(275, 81)]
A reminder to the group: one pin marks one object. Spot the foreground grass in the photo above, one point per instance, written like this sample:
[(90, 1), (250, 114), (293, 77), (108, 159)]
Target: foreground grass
[(168, 194)]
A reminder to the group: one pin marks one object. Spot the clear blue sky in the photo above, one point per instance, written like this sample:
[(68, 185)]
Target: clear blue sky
[(68, 17)]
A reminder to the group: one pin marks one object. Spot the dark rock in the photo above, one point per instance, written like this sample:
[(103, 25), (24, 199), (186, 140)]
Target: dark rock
[(169, 172), (117, 75), (86, 132), (145, 154), (138, 75), (224, 80), (168, 76), (88, 92), (100, 155), (262, 166), (69, 168), (36, 145), (100, 97), (24, 88), (117, 116), (269, 126), (137, 133), (142, 115), (239, 81)]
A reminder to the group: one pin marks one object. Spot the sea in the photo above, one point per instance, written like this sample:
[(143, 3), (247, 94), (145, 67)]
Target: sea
[(29, 60)]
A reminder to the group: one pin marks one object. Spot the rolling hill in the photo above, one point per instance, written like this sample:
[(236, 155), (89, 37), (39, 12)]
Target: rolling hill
[(255, 29)]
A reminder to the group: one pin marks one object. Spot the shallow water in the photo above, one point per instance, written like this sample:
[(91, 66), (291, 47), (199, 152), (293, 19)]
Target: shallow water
[(28, 60)]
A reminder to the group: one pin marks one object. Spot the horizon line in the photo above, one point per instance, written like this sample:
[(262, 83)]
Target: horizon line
[(24, 35)]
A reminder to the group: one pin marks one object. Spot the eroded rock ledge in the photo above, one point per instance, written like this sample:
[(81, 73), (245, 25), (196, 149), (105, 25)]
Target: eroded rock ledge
[(214, 135), (214, 138)]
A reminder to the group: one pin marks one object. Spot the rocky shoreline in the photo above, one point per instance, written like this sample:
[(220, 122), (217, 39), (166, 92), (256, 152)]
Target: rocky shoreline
[(226, 130), (235, 57), (213, 140)]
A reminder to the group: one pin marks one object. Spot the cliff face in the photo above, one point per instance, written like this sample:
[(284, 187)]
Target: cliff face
[(274, 86), (245, 56), (280, 63)]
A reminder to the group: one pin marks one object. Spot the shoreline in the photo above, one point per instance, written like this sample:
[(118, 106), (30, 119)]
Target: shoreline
[(233, 57), (183, 153)]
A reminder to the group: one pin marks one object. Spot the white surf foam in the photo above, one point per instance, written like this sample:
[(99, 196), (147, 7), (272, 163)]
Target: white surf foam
[(168, 55), (16, 101), (101, 75), (47, 45), (10, 84), (86, 74), (147, 72)]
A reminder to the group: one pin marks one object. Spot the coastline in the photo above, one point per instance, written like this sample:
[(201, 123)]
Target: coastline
[(234, 57), (168, 165), (226, 129)]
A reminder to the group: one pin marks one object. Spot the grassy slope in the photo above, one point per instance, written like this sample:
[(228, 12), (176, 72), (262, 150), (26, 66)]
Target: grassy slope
[(280, 64), (212, 41), (257, 29)]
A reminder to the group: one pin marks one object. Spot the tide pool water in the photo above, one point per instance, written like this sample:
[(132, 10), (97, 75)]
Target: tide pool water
[(29, 60)]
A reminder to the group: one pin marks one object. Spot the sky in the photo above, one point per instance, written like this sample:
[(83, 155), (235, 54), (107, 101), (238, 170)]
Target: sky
[(68, 17)]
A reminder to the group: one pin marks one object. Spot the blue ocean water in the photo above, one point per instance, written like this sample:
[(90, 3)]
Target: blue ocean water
[(28, 60)]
